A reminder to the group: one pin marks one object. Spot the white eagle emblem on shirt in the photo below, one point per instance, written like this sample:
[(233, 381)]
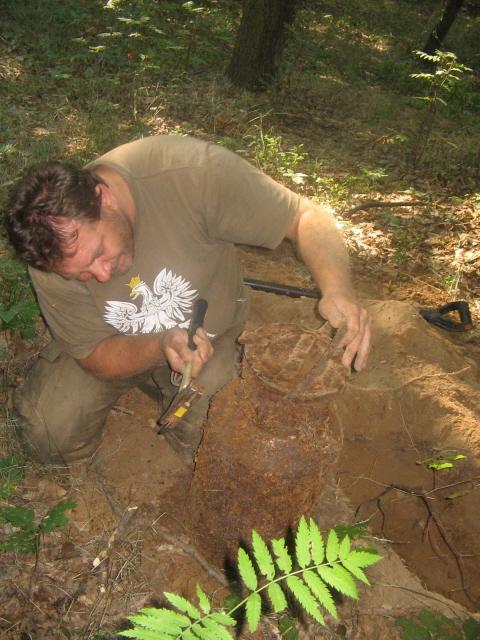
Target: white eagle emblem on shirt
[(157, 310)]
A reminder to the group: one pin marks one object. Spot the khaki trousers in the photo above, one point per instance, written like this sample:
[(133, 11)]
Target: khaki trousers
[(61, 409)]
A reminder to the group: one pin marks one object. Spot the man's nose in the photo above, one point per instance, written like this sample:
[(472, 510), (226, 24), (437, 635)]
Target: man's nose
[(101, 270)]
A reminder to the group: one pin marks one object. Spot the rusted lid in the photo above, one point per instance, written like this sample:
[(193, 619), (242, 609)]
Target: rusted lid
[(295, 361)]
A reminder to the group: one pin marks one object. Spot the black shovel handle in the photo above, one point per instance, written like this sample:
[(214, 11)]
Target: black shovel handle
[(438, 316), (200, 307), (282, 289)]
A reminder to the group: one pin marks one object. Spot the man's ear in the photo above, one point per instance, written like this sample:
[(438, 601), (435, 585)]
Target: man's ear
[(107, 199)]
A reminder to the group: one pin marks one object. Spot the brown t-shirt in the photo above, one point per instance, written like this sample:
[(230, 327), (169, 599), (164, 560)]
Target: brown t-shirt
[(194, 201)]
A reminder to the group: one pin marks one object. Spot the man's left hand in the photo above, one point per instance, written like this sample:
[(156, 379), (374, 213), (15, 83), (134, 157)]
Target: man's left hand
[(339, 307)]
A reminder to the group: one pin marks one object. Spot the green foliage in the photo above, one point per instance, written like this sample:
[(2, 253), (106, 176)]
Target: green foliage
[(269, 154), (11, 474), (27, 537), (18, 308), (428, 625), (442, 81), (442, 461), (269, 576)]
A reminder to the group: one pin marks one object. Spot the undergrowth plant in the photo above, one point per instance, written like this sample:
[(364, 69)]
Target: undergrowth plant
[(311, 574), (28, 528), (440, 82), (18, 308), (429, 625)]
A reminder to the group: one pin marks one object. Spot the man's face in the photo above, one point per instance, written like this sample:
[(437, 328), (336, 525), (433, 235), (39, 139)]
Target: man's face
[(104, 249)]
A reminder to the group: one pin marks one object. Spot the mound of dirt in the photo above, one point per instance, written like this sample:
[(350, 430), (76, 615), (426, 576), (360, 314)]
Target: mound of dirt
[(415, 407)]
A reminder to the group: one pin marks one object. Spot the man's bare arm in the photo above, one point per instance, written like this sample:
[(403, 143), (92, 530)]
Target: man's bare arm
[(125, 356), (322, 248)]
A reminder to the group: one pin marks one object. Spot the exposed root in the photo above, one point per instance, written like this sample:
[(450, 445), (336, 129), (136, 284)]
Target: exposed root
[(423, 496)]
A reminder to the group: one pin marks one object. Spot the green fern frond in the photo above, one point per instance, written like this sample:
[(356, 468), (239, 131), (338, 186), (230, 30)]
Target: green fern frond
[(283, 559), (361, 558), (246, 570), (344, 548), (277, 597), (320, 568), (218, 630), (203, 601), (302, 544), (320, 591), (223, 618), (199, 632), (262, 556), (333, 547), (183, 605), (356, 571), (305, 597), (253, 610), (318, 546), (340, 580)]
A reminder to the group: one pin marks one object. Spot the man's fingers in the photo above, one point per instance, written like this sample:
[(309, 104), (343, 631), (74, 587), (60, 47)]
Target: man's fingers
[(357, 342)]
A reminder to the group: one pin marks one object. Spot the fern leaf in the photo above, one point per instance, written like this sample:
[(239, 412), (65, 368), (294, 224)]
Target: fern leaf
[(321, 592), (253, 610), (332, 546), (283, 560), (187, 635), (277, 597), (339, 578), (223, 618), (246, 570), (182, 604), (162, 620), (305, 597), (216, 630), (203, 601), (302, 544), (344, 548), (143, 634), (318, 547), (262, 556), (201, 633), (363, 558), (356, 571)]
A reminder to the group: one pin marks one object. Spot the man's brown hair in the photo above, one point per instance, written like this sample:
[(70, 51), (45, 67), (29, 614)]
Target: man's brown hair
[(40, 206)]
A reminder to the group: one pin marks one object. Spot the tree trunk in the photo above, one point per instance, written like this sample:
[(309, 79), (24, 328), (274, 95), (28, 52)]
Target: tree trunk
[(260, 39), (439, 32)]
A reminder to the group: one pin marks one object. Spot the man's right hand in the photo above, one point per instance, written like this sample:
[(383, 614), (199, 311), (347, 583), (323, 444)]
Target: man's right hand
[(177, 353)]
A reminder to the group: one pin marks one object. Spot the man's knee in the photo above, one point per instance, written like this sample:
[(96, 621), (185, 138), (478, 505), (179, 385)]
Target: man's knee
[(222, 368), (61, 410)]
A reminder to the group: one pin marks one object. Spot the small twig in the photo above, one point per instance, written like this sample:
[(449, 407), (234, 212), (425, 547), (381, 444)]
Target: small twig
[(447, 603), (190, 550), (404, 423), (424, 376), (373, 204), (453, 484)]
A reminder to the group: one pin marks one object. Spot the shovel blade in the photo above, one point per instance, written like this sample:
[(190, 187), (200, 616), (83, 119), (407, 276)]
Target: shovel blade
[(178, 409)]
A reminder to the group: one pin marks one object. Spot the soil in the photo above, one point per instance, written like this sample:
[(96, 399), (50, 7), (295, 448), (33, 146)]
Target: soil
[(136, 531)]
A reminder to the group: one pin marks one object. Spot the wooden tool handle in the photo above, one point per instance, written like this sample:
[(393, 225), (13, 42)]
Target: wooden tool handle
[(198, 317)]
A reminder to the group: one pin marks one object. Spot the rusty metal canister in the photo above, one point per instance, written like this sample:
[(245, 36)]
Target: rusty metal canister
[(269, 441)]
